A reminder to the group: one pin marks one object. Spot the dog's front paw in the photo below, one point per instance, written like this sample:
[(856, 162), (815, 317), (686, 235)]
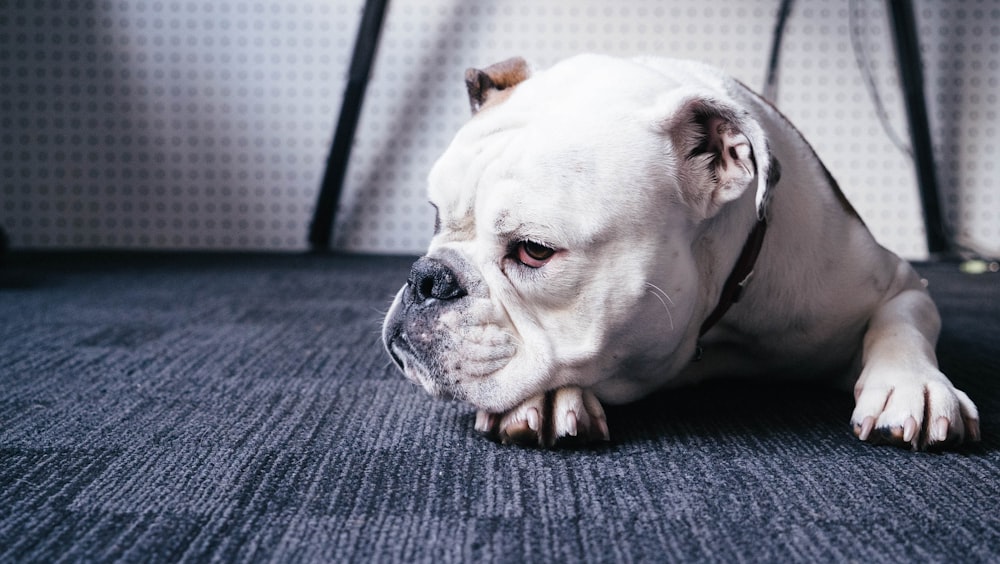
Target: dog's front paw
[(918, 412), (569, 415)]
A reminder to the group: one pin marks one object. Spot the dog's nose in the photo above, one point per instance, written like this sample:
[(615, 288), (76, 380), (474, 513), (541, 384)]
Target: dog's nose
[(431, 279)]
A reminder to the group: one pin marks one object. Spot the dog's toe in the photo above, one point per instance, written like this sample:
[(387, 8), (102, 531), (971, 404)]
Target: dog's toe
[(578, 417), (523, 425)]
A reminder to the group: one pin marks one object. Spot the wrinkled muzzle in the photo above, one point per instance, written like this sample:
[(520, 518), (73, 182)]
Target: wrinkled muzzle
[(441, 335), (408, 335)]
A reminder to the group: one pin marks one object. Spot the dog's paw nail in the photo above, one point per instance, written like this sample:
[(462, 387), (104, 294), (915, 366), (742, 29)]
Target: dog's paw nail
[(940, 431), (534, 419), (910, 429), (865, 431), (570, 422), (482, 422), (602, 429), (972, 429)]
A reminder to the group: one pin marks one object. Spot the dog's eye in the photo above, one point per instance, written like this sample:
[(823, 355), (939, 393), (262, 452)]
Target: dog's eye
[(533, 255)]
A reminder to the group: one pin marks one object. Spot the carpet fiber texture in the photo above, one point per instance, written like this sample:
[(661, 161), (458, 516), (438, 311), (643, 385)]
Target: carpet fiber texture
[(170, 407)]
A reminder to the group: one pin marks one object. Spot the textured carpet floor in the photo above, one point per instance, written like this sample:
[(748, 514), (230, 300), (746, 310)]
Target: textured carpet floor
[(240, 408)]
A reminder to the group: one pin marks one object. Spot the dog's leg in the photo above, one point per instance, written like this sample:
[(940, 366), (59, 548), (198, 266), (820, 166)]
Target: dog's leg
[(565, 415), (902, 398)]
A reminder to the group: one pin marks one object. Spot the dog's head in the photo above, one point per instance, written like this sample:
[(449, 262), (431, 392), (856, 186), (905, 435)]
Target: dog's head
[(568, 213)]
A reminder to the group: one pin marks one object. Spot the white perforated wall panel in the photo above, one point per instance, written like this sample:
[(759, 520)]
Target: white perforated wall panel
[(962, 71), (167, 124), (206, 124)]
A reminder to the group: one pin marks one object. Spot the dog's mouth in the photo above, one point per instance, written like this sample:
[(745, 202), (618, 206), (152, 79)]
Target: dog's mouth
[(408, 361), (391, 348)]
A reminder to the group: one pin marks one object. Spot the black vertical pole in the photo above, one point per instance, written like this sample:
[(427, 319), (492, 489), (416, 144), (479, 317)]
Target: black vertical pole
[(771, 80), (904, 28), (320, 230)]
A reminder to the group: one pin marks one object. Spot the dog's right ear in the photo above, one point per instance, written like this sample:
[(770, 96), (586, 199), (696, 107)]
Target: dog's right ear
[(721, 152), (491, 85)]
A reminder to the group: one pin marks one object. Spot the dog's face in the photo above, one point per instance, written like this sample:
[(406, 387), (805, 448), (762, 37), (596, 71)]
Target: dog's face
[(567, 211)]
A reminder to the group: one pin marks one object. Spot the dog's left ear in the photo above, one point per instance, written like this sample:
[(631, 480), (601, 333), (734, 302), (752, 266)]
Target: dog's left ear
[(721, 150), (490, 85)]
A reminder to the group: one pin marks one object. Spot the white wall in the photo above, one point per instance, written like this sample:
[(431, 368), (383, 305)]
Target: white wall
[(205, 124)]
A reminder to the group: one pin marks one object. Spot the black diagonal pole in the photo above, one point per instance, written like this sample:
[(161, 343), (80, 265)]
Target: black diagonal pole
[(321, 228), (904, 28)]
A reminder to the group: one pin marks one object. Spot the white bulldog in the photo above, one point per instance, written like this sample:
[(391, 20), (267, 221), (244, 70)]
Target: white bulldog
[(601, 235)]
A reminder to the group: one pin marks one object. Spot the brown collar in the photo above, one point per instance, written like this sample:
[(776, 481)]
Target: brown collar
[(732, 291)]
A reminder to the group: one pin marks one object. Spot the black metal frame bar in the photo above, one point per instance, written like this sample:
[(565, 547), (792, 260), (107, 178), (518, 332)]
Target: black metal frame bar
[(365, 45), (908, 59)]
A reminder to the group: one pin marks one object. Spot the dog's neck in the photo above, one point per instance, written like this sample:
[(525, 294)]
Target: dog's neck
[(740, 276)]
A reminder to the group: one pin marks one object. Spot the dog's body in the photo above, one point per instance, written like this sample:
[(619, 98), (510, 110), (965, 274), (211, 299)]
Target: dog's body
[(597, 223)]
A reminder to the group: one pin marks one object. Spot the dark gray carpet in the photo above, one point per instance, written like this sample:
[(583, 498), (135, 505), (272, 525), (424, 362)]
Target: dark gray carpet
[(240, 408)]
